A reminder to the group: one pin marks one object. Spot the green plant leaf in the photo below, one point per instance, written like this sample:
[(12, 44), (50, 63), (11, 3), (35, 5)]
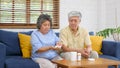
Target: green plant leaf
[(108, 31)]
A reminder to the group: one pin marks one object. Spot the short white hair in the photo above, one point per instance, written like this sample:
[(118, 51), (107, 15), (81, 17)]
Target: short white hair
[(74, 13)]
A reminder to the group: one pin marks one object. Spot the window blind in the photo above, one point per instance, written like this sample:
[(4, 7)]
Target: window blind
[(24, 13)]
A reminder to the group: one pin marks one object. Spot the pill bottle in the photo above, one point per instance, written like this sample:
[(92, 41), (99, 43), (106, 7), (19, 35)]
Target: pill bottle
[(78, 56)]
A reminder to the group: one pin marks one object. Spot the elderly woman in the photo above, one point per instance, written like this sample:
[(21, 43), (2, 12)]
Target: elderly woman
[(43, 42)]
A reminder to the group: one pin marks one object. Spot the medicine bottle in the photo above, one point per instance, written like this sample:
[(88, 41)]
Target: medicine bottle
[(78, 56)]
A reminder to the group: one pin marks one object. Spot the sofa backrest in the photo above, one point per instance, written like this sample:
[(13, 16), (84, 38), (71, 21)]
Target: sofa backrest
[(110, 48), (10, 39)]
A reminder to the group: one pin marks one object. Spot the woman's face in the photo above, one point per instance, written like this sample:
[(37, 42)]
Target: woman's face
[(45, 27)]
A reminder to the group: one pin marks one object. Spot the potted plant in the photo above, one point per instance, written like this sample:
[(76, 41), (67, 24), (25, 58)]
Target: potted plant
[(115, 32)]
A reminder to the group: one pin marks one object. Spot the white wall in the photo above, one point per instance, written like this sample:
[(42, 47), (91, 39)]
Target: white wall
[(101, 24), (108, 14), (112, 13), (88, 8)]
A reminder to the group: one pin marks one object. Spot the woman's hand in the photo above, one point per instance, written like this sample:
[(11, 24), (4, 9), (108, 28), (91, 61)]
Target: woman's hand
[(59, 44), (43, 49), (56, 48)]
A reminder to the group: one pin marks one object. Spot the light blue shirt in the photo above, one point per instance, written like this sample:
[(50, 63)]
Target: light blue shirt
[(39, 40)]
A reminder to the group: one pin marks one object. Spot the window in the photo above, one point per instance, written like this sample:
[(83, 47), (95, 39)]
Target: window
[(24, 13)]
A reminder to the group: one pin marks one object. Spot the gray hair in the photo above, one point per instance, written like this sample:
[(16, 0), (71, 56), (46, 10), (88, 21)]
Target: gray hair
[(74, 13), (42, 18)]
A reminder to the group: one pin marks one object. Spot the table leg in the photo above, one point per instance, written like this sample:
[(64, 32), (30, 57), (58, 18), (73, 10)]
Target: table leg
[(116, 66)]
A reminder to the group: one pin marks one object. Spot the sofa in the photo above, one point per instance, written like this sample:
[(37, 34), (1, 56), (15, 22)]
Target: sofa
[(10, 52), (11, 55), (111, 50)]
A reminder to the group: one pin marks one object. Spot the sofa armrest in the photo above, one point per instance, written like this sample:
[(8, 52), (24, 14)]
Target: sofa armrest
[(118, 50), (2, 55), (111, 48)]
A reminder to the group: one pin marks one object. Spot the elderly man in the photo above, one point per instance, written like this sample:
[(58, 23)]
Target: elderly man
[(74, 37)]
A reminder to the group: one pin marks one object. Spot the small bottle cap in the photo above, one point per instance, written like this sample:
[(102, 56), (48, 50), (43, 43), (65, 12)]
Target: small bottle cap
[(79, 53)]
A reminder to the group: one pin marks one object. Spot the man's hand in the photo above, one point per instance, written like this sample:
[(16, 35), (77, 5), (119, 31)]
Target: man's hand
[(85, 53)]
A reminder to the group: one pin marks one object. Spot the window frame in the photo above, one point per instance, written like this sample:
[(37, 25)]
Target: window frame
[(28, 25)]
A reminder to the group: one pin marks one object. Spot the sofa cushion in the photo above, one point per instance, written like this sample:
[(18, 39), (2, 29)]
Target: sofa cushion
[(96, 43), (10, 39), (25, 45), (109, 57), (109, 48), (19, 62)]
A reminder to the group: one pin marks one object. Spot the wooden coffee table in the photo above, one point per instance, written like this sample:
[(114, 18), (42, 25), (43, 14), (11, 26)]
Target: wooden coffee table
[(85, 63)]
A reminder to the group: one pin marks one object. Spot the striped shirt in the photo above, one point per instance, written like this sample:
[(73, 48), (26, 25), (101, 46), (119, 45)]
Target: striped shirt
[(78, 40)]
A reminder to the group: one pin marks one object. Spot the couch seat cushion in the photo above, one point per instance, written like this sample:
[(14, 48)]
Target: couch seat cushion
[(108, 57), (19, 62)]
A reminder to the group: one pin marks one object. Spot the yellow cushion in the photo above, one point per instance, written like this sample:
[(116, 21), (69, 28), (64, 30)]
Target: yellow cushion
[(96, 43), (25, 45)]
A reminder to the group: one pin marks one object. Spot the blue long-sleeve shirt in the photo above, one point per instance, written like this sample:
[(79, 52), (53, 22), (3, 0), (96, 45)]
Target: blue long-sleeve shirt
[(39, 40)]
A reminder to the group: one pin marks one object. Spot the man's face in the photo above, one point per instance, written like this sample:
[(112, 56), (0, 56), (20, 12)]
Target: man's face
[(74, 22)]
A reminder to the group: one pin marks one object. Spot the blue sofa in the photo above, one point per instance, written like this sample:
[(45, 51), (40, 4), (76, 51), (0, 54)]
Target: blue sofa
[(111, 50), (11, 55)]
